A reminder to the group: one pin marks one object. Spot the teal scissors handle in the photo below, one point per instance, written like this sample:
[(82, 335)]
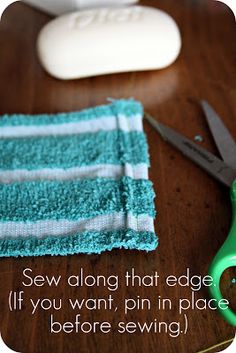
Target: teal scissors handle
[(225, 258)]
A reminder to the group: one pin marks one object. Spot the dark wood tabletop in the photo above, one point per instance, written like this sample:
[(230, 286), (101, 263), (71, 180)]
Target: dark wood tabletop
[(193, 210)]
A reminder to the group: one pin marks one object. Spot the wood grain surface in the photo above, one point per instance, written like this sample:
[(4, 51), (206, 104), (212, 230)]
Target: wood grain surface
[(193, 209)]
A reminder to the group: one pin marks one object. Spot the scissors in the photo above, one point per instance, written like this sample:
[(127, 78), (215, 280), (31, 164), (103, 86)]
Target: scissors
[(224, 171)]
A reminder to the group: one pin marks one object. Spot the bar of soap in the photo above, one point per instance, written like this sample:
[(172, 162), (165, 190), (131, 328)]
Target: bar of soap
[(108, 40)]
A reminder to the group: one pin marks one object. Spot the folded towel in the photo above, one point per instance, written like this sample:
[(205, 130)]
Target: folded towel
[(75, 182)]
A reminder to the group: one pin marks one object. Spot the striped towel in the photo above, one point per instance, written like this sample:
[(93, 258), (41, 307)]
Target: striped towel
[(75, 182)]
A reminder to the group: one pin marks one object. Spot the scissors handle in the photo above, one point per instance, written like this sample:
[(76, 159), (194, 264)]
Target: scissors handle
[(225, 258)]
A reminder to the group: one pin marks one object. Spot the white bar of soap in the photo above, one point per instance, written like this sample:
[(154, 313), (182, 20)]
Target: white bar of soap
[(103, 41)]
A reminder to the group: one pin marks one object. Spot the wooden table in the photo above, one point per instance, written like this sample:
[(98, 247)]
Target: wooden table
[(193, 209)]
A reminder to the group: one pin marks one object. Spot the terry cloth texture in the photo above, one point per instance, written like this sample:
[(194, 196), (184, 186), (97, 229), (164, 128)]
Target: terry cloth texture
[(75, 182)]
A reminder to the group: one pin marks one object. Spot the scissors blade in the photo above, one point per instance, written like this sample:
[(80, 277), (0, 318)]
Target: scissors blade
[(223, 139), (210, 163)]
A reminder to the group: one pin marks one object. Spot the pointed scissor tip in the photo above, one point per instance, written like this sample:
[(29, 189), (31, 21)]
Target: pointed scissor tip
[(204, 103), (155, 124), (207, 108)]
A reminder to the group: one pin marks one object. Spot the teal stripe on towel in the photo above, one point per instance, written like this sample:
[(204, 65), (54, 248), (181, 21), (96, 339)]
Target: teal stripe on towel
[(113, 147), (74, 200), (86, 242), (126, 107)]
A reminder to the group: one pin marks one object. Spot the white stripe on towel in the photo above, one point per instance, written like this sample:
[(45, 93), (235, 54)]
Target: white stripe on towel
[(109, 222), (121, 122), (138, 171)]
